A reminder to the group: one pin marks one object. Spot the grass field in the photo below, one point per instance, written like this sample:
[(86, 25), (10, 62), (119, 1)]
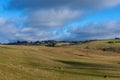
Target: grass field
[(97, 60)]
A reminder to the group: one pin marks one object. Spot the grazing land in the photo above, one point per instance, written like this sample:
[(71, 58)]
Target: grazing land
[(95, 60)]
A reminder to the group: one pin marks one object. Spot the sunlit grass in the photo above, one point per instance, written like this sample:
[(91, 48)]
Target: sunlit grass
[(77, 62)]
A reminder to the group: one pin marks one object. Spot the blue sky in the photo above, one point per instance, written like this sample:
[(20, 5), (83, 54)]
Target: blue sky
[(59, 19)]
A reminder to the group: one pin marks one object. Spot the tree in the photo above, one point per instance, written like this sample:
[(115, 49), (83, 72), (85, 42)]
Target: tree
[(51, 43), (117, 38)]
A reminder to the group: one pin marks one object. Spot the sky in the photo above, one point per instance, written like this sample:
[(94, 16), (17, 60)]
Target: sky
[(70, 20)]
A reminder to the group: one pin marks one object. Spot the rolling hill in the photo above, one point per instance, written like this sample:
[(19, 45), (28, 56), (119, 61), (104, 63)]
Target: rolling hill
[(96, 60)]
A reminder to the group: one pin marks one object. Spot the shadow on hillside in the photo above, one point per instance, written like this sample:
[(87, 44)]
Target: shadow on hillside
[(111, 49), (73, 71), (85, 65)]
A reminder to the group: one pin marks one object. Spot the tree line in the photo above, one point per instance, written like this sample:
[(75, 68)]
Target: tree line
[(46, 43)]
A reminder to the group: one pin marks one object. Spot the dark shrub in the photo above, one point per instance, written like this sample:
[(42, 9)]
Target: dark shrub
[(110, 42)]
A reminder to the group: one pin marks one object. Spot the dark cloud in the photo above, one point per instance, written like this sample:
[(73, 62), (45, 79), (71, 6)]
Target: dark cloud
[(95, 31), (75, 4)]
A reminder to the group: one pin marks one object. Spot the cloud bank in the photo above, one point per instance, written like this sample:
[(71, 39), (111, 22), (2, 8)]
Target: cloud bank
[(105, 30), (49, 19)]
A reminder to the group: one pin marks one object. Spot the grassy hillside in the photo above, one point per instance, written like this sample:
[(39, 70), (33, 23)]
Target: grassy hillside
[(97, 60)]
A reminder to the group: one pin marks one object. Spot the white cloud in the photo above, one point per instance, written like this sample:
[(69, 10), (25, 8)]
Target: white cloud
[(7, 27), (95, 31), (51, 18), (2, 20), (40, 24), (8, 30)]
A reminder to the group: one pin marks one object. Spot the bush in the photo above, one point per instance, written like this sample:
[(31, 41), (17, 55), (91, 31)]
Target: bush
[(110, 42)]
